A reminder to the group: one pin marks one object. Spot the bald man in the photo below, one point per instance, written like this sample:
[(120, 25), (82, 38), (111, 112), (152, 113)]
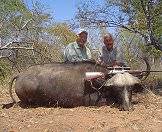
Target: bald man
[(110, 56)]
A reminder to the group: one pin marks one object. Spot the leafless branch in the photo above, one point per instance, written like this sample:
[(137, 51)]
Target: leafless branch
[(12, 48), (25, 24)]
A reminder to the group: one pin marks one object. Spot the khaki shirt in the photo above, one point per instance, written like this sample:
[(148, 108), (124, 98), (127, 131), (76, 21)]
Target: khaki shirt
[(74, 53)]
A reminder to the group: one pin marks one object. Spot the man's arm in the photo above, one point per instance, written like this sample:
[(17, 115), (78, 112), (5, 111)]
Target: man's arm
[(65, 55), (100, 59)]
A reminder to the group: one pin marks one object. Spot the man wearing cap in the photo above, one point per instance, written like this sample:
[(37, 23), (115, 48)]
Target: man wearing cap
[(77, 51), (110, 55)]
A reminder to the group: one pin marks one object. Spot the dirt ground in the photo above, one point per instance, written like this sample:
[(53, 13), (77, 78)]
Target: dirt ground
[(146, 116)]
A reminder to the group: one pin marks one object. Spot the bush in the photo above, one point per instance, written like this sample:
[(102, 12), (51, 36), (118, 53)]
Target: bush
[(5, 70)]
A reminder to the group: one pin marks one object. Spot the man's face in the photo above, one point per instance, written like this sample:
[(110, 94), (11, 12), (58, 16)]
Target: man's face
[(108, 41), (82, 38)]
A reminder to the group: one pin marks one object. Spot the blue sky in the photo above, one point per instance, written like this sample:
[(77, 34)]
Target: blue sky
[(61, 10)]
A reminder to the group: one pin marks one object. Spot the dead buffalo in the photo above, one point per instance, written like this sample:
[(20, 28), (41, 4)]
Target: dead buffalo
[(61, 83), (66, 84)]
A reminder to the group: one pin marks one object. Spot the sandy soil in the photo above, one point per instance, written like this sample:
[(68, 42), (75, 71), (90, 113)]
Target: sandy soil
[(145, 116)]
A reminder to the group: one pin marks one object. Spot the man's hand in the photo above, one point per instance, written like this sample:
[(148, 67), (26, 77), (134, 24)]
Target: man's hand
[(118, 64), (99, 61), (115, 64)]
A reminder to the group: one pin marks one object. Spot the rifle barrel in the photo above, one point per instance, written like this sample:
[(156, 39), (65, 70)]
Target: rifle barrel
[(140, 71), (151, 71)]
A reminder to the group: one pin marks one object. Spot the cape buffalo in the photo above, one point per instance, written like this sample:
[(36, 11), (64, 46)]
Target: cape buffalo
[(66, 85)]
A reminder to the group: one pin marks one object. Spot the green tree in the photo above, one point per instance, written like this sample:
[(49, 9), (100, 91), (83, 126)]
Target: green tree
[(134, 49), (10, 12), (20, 26), (144, 17), (17, 21), (63, 32)]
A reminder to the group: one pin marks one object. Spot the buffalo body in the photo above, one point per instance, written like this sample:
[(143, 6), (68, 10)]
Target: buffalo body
[(61, 83), (65, 84)]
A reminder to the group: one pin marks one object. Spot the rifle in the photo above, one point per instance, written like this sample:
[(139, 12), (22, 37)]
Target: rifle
[(138, 73)]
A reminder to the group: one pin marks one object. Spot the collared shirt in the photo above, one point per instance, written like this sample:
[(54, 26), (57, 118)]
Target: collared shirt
[(75, 53), (108, 57)]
